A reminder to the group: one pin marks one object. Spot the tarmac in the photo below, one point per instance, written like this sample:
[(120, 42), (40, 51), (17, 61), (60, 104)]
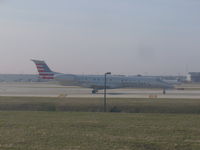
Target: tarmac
[(38, 89)]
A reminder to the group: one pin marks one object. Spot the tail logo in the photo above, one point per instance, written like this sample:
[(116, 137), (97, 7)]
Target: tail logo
[(43, 70)]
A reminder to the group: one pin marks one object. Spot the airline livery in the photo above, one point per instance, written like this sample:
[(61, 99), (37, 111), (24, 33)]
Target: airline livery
[(96, 82)]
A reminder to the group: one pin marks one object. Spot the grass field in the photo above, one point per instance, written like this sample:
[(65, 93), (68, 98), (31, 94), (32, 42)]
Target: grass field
[(39, 123), (34, 130), (96, 104)]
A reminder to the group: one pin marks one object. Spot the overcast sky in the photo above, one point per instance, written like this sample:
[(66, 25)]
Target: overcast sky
[(150, 37)]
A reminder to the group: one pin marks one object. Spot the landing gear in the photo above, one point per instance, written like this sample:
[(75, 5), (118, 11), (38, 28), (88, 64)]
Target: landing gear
[(94, 91), (164, 91)]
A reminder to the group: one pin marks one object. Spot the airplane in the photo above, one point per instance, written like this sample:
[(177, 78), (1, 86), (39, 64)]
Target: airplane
[(97, 82)]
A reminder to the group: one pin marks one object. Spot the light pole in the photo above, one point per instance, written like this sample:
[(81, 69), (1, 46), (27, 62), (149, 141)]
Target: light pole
[(105, 86)]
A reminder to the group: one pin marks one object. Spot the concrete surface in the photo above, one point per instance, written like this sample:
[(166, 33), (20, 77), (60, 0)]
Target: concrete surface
[(55, 90)]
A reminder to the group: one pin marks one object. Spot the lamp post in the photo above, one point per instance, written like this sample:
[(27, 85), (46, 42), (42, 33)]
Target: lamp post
[(105, 86)]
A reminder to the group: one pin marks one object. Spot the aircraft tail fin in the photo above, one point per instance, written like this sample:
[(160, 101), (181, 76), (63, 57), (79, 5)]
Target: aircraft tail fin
[(44, 71)]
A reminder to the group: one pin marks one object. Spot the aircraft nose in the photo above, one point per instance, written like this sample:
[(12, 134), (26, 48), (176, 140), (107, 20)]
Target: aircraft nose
[(169, 86)]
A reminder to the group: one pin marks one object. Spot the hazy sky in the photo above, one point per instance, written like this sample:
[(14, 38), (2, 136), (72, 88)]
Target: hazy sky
[(152, 37)]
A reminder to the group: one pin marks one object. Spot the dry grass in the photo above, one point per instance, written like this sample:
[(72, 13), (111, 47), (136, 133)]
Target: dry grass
[(42, 126), (96, 105), (98, 131)]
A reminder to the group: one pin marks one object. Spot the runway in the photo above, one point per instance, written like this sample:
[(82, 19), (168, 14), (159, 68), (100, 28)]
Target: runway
[(55, 90)]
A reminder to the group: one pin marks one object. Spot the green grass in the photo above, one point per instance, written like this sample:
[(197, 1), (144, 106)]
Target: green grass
[(96, 105), (28, 130), (40, 123)]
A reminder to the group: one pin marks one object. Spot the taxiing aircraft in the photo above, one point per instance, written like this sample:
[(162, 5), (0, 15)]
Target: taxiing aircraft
[(97, 82)]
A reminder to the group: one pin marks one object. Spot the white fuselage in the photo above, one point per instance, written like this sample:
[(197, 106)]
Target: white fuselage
[(98, 81), (112, 81)]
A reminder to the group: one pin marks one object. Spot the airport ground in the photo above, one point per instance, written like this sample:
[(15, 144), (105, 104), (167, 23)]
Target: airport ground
[(53, 117), (37, 89)]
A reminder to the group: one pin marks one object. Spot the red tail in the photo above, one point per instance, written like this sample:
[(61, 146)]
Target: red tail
[(43, 70)]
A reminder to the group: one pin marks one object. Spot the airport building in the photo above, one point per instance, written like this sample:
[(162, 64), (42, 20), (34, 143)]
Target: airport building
[(19, 78), (194, 77)]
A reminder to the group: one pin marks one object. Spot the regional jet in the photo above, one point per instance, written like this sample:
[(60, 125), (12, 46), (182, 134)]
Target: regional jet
[(97, 82)]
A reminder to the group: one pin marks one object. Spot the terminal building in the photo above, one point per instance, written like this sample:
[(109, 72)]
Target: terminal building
[(193, 76)]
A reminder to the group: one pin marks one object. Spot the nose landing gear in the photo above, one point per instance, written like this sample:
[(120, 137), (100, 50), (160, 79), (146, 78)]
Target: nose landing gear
[(94, 91)]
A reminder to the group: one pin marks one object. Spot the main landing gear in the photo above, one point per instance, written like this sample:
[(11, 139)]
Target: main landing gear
[(94, 91)]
